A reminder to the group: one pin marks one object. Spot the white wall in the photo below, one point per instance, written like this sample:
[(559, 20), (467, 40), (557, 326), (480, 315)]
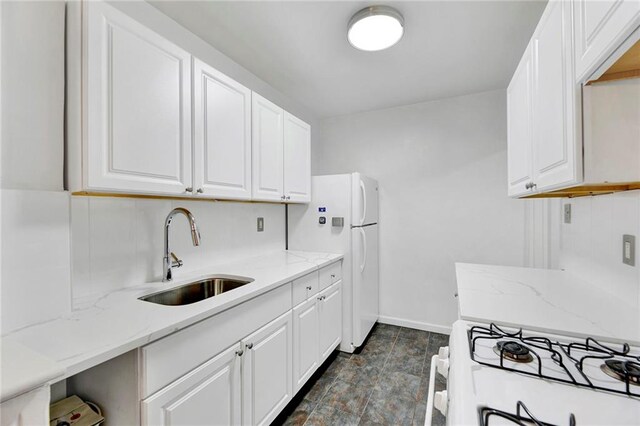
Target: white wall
[(441, 167), (32, 95), (118, 242), (591, 245)]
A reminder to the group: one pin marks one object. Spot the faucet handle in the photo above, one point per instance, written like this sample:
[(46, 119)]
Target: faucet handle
[(176, 262)]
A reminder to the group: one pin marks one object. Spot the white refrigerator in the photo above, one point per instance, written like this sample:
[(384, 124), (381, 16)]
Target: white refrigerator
[(343, 218)]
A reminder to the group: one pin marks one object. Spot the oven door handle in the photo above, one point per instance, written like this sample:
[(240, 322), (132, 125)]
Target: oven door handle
[(432, 389)]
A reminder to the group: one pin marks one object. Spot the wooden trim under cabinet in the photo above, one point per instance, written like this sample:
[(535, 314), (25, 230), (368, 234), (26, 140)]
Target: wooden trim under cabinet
[(588, 190)]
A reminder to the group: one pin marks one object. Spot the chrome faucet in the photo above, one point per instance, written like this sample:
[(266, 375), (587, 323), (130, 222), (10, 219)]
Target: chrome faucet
[(170, 260)]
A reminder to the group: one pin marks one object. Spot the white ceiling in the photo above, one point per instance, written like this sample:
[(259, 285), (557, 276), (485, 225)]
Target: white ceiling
[(449, 48)]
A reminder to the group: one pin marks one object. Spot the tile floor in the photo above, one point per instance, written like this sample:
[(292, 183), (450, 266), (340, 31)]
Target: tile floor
[(385, 384)]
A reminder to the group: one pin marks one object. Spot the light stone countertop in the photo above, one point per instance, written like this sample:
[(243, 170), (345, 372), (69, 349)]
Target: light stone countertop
[(546, 300), (119, 322)]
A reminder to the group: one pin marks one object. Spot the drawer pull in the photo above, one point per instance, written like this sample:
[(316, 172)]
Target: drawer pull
[(250, 346), (240, 352), (308, 287), (333, 275)]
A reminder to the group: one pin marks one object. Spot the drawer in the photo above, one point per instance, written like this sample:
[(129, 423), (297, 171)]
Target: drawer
[(330, 274), (169, 358), (305, 287)]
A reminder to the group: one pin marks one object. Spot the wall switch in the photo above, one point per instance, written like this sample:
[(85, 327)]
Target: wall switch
[(260, 224), (567, 213), (629, 250)]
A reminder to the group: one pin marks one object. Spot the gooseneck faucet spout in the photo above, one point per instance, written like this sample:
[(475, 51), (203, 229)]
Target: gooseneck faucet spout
[(170, 260)]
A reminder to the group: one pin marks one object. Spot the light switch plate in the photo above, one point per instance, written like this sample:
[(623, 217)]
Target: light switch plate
[(260, 224), (567, 213), (629, 250)]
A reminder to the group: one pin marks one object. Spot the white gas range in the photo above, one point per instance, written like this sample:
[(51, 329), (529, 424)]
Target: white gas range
[(555, 351), (498, 375)]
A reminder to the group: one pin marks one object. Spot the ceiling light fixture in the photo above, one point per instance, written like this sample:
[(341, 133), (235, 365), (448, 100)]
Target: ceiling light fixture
[(375, 28)]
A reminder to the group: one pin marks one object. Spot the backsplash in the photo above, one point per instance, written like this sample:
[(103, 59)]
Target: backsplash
[(35, 257), (591, 245), (118, 242)]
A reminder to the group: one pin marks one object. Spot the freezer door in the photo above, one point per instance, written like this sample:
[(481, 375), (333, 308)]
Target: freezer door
[(365, 200), (365, 281)]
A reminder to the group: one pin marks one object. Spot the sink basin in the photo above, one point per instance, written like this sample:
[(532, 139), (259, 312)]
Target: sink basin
[(197, 291)]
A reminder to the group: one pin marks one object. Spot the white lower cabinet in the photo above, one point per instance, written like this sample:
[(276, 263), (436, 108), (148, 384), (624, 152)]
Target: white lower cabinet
[(305, 334), (241, 366), (209, 395), (266, 371), (330, 318)]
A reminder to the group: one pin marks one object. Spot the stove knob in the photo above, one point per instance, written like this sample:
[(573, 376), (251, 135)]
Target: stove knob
[(441, 402), (443, 352), (442, 367)]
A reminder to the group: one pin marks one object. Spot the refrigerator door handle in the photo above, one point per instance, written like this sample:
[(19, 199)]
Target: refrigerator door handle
[(364, 249), (364, 202)]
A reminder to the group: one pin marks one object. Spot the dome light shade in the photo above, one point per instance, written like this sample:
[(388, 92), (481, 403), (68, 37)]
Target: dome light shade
[(375, 28)]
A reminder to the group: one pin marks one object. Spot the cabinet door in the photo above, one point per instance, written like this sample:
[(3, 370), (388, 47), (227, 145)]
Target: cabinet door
[(267, 150), (138, 107), (222, 145), (556, 146), (297, 159), (209, 395), (330, 309), (600, 26), (305, 342), (519, 127), (266, 371)]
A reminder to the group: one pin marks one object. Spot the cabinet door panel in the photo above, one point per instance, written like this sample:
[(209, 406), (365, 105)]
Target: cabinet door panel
[(600, 26), (330, 309), (554, 136), (266, 373), (209, 395), (305, 342), (297, 159), (138, 107), (519, 127), (267, 150), (222, 117)]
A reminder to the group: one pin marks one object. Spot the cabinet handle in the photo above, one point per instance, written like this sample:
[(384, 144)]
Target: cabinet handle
[(200, 191), (533, 185), (240, 352), (321, 297), (308, 287), (333, 275), (288, 197), (528, 185), (250, 346), (282, 198), (188, 189)]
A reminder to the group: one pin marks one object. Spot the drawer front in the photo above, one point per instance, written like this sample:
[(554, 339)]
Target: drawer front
[(305, 287), (330, 274), (169, 358)]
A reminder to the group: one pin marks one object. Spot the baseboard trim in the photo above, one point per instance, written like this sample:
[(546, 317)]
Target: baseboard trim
[(418, 325)]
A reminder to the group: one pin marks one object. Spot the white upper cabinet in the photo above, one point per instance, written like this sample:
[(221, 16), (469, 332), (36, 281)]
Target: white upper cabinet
[(543, 113), (297, 159), (144, 116), (138, 106), (556, 142), (281, 150), (600, 26), (222, 135), (519, 127), (268, 147)]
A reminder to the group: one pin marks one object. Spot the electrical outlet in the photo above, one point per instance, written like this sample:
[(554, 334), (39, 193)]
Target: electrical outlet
[(260, 224), (567, 213), (629, 250)]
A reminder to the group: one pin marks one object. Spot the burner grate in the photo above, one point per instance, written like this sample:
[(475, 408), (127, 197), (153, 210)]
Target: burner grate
[(561, 355), (522, 417)]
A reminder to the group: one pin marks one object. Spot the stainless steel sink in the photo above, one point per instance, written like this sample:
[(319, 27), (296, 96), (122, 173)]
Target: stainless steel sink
[(197, 291)]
